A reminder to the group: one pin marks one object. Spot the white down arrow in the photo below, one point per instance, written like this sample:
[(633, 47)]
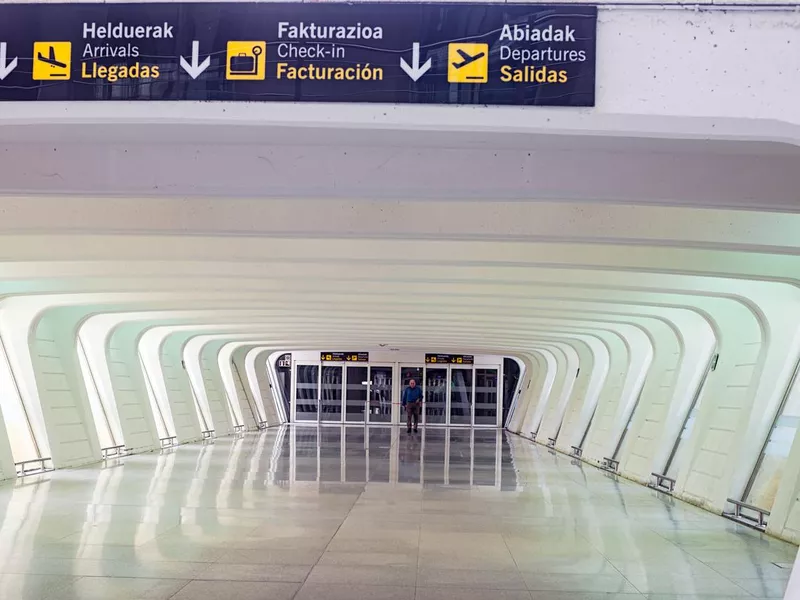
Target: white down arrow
[(194, 69), (6, 68), (415, 71)]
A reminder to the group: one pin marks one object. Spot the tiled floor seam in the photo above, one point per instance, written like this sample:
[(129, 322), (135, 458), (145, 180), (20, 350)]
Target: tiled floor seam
[(325, 549), (181, 589)]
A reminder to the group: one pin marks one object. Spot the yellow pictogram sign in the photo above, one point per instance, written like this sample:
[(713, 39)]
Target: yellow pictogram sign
[(246, 61), (468, 63), (51, 60)]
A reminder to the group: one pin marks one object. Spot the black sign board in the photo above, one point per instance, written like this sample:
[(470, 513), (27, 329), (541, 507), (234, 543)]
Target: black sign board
[(446, 53), (344, 356), (450, 359)]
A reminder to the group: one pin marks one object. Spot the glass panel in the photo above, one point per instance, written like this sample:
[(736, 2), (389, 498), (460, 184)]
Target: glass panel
[(485, 396), (772, 463), (461, 397), (331, 399), (306, 392), (410, 373), (407, 374), (356, 394), (380, 406), (435, 395)]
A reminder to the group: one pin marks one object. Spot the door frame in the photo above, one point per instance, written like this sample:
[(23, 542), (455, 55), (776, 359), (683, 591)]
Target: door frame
[(342, 389), (296, 381), (401, 388), (452, 368), (449, 394), (394, 414), (345, 380), (396, 390), (498, 394), (425, 368)]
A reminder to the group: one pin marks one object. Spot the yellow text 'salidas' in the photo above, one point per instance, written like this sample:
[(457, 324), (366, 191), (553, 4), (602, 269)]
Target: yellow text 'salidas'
[(531, 74)]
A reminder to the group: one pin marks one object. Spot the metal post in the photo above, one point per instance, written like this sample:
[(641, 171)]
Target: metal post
[(367, 383)]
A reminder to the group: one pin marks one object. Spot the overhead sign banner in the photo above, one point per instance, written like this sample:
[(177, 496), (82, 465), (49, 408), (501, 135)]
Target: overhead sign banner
[(445, 53)]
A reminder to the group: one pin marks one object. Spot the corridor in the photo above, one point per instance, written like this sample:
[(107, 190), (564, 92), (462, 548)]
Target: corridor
[(309, 513)]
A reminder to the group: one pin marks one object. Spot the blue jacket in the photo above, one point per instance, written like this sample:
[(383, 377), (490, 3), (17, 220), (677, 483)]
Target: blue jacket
[(411, 395)]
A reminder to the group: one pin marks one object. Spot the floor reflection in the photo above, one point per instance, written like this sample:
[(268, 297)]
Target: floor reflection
[(377, 454), (321, 513)]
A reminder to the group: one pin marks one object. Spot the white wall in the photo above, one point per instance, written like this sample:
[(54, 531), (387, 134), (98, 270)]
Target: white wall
[(128, 388), (233, 368)]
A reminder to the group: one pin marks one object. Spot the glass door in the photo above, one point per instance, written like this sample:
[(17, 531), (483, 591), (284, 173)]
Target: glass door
[(380, 402), (306, 393), (355, 401), (408, 373), (435, 396), (460, 411), (331, 394), (486, 397)]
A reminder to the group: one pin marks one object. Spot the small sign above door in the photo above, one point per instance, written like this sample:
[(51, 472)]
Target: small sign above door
[(344, 356), (450, 359)]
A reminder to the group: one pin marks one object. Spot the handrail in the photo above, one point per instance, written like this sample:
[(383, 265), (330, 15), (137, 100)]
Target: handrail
[(577, 451), (113, 451), (43, 468), (658, 485), (760, 522), (610, 464)]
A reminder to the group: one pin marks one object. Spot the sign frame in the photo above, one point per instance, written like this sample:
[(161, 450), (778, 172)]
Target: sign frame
[(376, 52)]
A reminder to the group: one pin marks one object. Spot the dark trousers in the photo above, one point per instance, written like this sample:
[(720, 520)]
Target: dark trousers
[(412, 412)]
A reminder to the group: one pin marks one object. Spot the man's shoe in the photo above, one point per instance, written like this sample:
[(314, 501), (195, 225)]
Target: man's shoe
[(409, 431)]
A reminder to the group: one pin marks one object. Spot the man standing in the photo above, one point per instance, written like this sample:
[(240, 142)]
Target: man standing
[(412, 402)]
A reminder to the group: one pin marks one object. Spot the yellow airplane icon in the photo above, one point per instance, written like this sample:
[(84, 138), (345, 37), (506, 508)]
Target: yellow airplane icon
[(468, 63), (51, 60)]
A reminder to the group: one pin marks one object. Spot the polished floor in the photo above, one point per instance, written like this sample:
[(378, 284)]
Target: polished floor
[(331, 513)]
